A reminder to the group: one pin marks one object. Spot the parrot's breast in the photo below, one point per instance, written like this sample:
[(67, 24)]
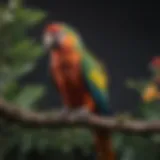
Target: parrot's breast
[(67, 74)]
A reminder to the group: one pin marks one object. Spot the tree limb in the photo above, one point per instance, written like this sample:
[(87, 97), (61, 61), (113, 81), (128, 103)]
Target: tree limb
[(37, 119)]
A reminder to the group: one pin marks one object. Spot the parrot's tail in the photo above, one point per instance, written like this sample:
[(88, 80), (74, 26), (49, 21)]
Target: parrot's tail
[(104, 146)]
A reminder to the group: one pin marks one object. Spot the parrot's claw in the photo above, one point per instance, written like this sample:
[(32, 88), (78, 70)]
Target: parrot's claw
[(82, 113), (64, 113)]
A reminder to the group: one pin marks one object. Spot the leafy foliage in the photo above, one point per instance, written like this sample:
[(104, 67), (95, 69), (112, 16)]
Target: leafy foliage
[(18, 57), (145, 146)]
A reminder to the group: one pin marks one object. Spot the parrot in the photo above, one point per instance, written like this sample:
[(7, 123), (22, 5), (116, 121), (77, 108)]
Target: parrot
[(80, 78)]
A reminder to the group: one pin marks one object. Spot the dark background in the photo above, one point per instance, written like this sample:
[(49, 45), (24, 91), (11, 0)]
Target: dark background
[(123, 35)]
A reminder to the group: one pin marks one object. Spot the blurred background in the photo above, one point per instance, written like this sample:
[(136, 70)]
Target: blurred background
[(124, 36)]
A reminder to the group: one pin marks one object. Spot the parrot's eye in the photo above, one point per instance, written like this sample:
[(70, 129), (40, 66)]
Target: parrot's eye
[(59, 36)]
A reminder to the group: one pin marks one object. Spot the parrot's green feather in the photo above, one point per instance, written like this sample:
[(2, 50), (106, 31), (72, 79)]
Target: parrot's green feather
[(96, 81)]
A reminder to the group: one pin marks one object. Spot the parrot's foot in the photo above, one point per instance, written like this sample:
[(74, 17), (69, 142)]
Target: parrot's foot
[(82, 113), (64, 113)]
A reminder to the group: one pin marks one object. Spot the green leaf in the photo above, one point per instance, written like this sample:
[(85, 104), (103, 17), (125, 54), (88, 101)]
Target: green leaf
[(29, 95), (156, 138), (151, 111), (128, 154), (137, 85), (25, 68), (26, 142), (25, 50), (14, 4), (36, 17)]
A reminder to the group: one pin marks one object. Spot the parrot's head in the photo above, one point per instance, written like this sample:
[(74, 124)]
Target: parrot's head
[(155, 66), (59, 35)]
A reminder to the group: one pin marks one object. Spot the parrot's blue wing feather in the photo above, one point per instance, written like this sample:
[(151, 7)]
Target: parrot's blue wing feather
[(96, 82)]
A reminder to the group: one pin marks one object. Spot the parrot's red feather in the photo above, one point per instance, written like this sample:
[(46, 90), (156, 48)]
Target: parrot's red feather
[(53, 28), (104, 146)]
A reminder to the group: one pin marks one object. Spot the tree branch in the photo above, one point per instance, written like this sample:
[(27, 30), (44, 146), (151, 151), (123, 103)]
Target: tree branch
[(37, 119)]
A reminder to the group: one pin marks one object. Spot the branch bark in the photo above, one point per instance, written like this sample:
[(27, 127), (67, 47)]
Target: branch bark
[(34, 119)]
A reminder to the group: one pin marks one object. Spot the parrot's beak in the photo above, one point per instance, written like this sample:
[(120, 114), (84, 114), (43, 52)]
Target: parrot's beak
[(48, 41), (53, 40)]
